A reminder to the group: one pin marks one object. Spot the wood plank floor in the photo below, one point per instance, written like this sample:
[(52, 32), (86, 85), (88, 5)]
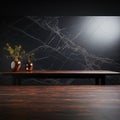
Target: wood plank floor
[(75, 102)]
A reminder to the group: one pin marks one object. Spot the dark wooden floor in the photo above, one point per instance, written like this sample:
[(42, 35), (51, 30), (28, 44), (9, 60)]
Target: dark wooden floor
[(60, 102)]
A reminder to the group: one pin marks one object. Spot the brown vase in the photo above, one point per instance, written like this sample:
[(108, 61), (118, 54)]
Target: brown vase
[(29, 66), (16, 65)]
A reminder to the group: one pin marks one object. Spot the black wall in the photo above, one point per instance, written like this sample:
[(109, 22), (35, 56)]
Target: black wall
[(46, 28)]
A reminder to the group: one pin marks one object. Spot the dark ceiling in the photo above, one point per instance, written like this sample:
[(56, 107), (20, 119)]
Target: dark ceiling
[(61, 7)]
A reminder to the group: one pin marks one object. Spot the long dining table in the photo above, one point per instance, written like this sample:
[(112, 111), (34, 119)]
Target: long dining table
[(98, 75)]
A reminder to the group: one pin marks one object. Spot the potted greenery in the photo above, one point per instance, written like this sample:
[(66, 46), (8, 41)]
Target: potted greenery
[(16, 53), (29, 64)]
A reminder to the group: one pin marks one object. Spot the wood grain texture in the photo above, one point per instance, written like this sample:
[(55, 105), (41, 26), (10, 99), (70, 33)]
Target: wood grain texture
[(60, 102)]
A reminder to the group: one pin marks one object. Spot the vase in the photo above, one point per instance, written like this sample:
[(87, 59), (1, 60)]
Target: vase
[(15, 65), (29, 66)]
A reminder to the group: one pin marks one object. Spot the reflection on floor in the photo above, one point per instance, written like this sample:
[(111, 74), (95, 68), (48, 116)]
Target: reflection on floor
[(70, 102)]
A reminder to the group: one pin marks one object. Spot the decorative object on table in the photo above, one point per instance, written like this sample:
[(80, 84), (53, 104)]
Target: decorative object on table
[(16, 53), (29, 64), (16, 65)]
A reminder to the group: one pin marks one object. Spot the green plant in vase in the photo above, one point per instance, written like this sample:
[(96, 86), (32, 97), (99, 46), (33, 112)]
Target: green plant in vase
[(16, 53), (29, 64)]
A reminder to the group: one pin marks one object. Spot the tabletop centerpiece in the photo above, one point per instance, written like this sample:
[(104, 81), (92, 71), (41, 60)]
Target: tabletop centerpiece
[(29, 64), (16, 53)]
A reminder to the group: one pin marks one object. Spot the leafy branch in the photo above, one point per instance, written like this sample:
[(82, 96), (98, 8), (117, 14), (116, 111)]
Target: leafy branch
[(30, 56), (15, 51)]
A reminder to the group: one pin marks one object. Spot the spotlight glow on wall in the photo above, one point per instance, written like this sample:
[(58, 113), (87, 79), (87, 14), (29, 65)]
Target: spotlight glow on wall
[(102, 31)]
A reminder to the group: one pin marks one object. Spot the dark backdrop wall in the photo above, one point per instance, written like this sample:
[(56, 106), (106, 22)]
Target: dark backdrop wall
[(63, 43)]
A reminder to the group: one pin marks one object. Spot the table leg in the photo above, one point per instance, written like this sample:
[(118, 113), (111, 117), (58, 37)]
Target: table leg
[(16, 81), (97, 81), (103, 80)]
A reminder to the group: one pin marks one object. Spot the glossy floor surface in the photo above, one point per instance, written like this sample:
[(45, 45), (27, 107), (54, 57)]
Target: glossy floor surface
[(75, 102)]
